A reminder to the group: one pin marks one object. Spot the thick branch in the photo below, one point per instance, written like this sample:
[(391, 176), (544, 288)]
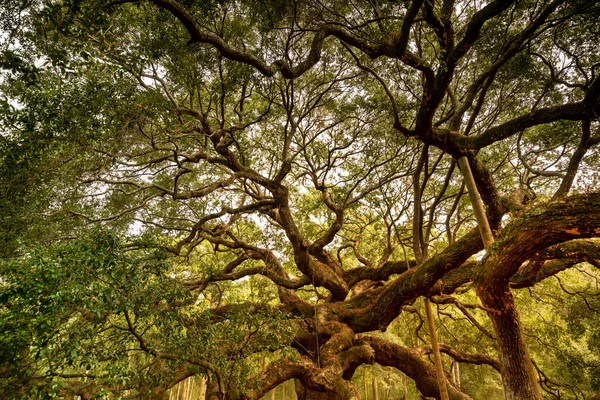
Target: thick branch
[(409, 362)]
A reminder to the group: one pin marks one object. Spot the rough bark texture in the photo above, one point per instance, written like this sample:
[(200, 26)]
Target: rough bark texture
[(518, 374), (574, 218), (341, 352), (410, 363)]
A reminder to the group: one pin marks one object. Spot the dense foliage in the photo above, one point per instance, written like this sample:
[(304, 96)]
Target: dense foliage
[(258, 192)]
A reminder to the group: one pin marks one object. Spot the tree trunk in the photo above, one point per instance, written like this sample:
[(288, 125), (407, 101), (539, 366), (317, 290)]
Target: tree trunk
[(476, 203), (518, 374), (191, 388), (375, 390), (202, 389), (178, 391), (456, 374), (439, 366), (186, 384), (388, 389)]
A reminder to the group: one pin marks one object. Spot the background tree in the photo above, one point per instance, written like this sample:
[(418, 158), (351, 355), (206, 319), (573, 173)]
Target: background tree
[(250, 191)]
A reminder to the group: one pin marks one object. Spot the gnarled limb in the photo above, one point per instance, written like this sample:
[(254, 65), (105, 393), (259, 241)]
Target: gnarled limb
[(560, 221), (410, 363)]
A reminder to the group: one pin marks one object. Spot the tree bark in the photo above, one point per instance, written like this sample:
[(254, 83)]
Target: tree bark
[(518, 374), (411, 363), (478, 210), (576, 217)]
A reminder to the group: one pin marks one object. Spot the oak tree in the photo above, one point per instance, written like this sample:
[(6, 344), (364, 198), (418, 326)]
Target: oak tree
[(251, 191)]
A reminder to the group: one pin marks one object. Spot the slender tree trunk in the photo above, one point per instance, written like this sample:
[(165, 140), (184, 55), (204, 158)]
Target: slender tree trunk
[(186, 388), (365, 387), (388, 389), (439, 366), (191, 388), (478, 210), (456, 374), (202, 389), (178, 391), (375, 389)]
